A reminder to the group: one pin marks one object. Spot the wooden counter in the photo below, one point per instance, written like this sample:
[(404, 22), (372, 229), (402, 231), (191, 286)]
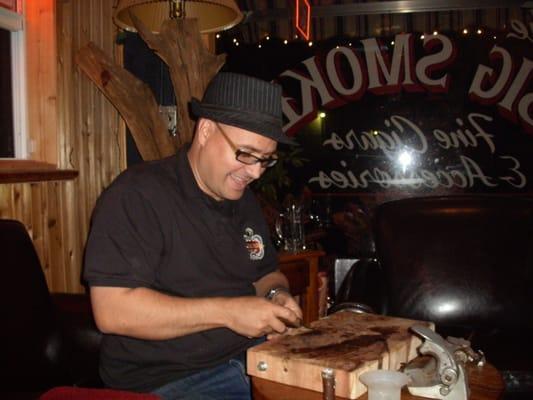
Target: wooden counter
[(486, 383), (290, 367)]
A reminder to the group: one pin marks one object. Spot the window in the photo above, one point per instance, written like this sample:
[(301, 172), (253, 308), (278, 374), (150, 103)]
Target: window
[(13, 143), (7, 147)]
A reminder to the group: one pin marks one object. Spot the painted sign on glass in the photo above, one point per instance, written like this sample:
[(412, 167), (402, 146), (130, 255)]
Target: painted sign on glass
[(440, 112)]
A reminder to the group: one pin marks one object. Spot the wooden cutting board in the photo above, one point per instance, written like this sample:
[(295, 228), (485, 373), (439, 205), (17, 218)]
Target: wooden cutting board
[(347, 342)]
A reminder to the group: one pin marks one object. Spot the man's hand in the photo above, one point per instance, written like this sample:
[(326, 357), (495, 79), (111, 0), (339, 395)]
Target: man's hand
[(284, 299), (256, 316)]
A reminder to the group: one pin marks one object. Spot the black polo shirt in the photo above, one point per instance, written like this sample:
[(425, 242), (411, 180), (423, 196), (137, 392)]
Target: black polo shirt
[(154, 227)]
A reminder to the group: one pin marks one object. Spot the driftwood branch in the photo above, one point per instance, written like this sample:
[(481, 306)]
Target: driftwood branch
[(132, 98), (191, 66)]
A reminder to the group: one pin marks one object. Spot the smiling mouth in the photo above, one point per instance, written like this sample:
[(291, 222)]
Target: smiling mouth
[(243, 182)]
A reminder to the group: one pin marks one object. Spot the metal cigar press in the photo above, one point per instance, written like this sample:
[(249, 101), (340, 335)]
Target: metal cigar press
[(440, 372)]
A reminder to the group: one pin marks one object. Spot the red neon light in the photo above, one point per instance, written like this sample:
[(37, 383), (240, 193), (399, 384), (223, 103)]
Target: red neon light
[(302, 20)]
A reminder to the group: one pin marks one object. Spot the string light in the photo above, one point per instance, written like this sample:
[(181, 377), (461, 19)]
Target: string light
[(464, 31)]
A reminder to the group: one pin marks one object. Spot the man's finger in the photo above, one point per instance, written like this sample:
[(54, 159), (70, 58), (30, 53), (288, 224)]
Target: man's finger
[(292, 324)]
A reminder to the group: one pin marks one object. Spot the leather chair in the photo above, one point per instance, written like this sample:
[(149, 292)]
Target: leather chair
[(463, 262), (47, 339)]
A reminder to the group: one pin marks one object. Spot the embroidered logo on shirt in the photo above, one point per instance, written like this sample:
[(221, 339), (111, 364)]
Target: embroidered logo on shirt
[(254, 244)]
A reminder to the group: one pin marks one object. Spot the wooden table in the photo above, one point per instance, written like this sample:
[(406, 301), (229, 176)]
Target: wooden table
[(486, 383), (286, 263)]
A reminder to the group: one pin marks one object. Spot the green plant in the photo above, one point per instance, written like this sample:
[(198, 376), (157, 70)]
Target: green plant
[(277, 179)]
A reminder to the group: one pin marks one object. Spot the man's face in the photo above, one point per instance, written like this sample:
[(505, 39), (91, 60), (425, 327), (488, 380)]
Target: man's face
[(219, 173)]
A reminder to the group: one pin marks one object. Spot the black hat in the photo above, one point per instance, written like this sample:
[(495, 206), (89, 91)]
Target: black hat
[(244, 102)]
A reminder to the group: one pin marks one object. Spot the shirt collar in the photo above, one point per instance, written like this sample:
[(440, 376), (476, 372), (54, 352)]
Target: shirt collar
[(186, 178)]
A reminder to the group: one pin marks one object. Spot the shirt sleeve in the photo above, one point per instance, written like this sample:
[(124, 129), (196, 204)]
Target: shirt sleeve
[(125, 242)]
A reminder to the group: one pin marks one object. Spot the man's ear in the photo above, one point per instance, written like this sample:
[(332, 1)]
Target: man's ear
[(205, 128)]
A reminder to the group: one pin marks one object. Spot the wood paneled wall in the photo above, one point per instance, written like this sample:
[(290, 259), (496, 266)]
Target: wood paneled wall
[(41, 79), (90, 139)]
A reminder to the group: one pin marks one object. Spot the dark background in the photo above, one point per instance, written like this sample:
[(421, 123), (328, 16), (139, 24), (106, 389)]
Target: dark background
[(339, 220)]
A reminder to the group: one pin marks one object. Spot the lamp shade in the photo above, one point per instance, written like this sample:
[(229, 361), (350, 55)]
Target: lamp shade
[(212, 15)]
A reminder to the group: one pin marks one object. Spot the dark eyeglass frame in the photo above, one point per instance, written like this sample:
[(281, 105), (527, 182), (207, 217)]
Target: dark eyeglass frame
[(246, 157)]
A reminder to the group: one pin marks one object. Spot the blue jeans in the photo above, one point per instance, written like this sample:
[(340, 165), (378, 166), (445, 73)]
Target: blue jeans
[(227, 381)]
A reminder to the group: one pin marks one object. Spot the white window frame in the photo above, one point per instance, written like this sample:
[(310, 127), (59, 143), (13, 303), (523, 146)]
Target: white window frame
[(14, 22)]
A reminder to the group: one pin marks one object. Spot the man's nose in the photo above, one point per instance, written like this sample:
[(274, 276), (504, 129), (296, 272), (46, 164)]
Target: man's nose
[(255, 170)]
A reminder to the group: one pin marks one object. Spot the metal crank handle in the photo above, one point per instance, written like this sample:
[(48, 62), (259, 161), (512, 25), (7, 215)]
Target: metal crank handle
[(328, 384)]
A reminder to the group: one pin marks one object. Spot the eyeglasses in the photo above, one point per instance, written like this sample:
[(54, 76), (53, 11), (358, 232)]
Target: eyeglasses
[(245, 157)]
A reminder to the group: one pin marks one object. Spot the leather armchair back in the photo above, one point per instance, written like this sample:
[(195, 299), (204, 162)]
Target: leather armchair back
[(458, 261), (29, 335), (41, 336), (462, 262)]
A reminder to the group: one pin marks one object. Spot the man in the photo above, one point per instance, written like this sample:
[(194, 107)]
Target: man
[(182, 274)]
